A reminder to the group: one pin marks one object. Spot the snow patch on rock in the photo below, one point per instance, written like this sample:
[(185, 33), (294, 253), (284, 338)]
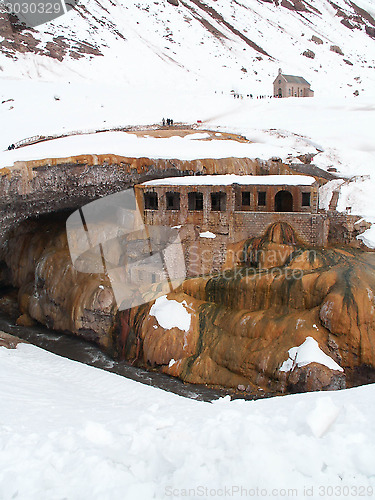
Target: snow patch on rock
[(368, 237), (306, 353), (171, 314), (207, 234)]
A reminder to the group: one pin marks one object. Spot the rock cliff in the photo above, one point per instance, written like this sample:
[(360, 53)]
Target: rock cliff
[(245, 322)]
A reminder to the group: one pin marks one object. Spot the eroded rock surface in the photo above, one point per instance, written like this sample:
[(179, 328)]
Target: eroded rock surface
[(51, 291), (271, 296), (245, 320)]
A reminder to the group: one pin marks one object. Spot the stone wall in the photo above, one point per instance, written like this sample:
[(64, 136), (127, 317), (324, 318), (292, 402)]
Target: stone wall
[(32, 188), (311, 229), (206, 255), (344, 228)]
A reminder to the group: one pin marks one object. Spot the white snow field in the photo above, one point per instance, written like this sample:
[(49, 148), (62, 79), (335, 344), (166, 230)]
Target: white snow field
[(70, 431), (340, 130)]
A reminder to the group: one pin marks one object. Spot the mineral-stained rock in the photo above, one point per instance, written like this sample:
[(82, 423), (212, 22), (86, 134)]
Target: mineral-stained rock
[(272, 294), (51, 291), (25, 320), (246, 319)]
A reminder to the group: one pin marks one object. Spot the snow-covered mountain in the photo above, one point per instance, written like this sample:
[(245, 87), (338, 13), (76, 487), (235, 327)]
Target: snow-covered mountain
[(221, 44), (116, 63)]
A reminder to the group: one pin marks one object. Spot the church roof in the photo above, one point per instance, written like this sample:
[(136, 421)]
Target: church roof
[(295, 79)]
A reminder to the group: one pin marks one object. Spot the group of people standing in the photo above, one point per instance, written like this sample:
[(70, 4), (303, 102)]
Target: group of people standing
[(167, 122)]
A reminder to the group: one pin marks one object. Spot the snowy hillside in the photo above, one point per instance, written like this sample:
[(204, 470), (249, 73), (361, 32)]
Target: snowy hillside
[(219, 44)]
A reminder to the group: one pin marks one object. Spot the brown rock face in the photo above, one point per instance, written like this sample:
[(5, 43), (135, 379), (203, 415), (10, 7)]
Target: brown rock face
[(317, 40), (309, 53), (315, 377), (243, 321), (9, 341), (18, 39), (336, 49), (51, 291)]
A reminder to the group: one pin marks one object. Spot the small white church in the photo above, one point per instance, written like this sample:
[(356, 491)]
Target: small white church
[(291, 86)]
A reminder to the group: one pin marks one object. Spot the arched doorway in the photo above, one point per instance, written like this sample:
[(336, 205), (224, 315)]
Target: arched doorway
[(279, 93), (283, 202)]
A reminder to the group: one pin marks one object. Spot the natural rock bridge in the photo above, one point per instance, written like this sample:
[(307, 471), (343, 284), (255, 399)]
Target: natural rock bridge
[(32, 188), (36, 265)]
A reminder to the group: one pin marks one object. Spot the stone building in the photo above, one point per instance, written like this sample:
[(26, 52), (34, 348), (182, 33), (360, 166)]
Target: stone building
[(216, 210), (291, 86)]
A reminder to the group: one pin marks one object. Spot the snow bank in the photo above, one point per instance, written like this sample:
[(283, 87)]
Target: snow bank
[(171, 314), (306, 353), (326, 192), (129, 145), (323, 416), (68, 430), (358, 197), (368, 237), (228, 179)]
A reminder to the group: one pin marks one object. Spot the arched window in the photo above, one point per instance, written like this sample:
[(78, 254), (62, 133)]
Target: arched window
[(283, 202), (218, 201), (195, 201), (150, 200), (172, 201)]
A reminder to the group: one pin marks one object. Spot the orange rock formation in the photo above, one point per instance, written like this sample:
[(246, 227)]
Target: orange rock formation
[(244, 320)]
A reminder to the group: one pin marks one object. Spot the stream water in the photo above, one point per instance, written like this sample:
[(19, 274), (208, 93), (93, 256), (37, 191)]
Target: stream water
[(80, 350)]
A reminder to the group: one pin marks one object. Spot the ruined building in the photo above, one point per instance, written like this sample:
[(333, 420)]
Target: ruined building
[(213, 211)]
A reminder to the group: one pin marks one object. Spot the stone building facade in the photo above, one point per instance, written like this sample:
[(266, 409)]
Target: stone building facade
[(214, 211), (291, 86)]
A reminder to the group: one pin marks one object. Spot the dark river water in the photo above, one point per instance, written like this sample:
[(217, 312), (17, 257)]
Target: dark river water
[(85, 352)]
